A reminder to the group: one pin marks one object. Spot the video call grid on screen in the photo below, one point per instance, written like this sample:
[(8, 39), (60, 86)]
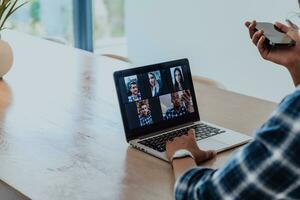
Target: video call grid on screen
[(156, 96), (149, 97)]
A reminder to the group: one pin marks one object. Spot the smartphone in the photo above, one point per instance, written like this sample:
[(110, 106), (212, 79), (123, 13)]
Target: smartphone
[(274, 36)]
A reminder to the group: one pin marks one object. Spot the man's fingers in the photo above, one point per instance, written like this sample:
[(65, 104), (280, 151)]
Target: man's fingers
[(188, 93), (186, 97), (247, 24), (256, 37), (191, 132), (261, 47), (168, 145), (192, 135), (282, 27), (252, 29)]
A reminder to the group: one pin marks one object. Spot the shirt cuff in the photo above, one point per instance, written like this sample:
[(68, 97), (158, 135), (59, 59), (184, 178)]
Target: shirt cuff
[(188, 180)]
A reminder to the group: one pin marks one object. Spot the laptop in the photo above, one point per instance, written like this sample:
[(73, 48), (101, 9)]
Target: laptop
[(158, 103)]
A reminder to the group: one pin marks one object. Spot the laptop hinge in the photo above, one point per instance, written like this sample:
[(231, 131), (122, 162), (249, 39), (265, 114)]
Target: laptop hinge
[(166, 130)]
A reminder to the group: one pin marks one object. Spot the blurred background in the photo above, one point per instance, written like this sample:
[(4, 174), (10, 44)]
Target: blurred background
[(54, 19), (210, 33)]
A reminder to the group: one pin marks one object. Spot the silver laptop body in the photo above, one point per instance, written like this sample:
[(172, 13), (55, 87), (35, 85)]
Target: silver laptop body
[(158, 103), (219, 143)]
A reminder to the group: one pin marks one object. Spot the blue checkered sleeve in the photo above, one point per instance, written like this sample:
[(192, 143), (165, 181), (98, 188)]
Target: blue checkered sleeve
[(266, 168), (146, 120)]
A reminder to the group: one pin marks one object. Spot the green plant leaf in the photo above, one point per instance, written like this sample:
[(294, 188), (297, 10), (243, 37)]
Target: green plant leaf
[(11, 9), (3, 7), (4, 11), (14, 10)]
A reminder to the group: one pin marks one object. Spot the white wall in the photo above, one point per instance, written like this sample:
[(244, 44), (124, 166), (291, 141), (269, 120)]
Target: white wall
[(212, 35)]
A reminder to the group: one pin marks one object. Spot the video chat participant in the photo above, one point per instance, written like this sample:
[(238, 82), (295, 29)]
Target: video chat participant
[(154, 84), (134, 91), (178, 77), (144, 113), (178, 109)]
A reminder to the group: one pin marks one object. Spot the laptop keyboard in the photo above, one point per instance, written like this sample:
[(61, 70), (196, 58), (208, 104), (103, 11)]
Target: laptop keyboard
[(202, 131)]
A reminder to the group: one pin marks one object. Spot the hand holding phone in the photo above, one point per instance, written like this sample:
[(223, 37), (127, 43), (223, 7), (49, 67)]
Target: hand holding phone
[(274, 36), (287, 56), (186, 98)]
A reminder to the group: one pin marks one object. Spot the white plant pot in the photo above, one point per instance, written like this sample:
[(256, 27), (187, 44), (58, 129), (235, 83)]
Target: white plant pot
[(6, 57)]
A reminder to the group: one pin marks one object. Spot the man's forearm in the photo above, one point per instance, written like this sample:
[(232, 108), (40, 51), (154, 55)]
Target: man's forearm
[(295, 74), (182, 165)]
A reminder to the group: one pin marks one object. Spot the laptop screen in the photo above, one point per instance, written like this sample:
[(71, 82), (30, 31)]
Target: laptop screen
[(156, 97)]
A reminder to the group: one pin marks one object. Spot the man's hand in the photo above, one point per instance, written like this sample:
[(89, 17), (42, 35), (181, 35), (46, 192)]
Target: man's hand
[(188, 142), (288, 57), (187, 100)]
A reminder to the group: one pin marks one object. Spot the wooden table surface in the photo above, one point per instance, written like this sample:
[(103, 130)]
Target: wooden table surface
[(61, 135)]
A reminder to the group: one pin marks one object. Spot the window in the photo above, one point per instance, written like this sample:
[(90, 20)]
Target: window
[(54, 20), (49, 19), (109, 28)]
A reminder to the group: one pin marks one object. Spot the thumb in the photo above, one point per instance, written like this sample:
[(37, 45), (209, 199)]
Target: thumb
[(290, 31), (282, 27)]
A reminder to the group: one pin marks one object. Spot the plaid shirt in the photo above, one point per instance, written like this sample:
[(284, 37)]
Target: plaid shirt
[(134, 98), (266, 168), (172, 113), (146, 120)]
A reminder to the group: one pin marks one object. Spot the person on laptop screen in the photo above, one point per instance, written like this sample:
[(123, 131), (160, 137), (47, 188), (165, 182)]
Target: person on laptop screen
[(135, 94), (178, 79), (154, 83), (181, 105), (144, 113), (266, 168)]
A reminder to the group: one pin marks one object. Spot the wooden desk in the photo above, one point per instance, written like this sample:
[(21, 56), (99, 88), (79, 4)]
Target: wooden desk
[(61, 134)]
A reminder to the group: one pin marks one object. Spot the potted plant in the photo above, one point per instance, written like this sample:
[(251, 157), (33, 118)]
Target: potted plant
[(7, 8)]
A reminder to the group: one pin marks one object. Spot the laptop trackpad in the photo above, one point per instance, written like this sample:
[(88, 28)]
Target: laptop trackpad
[(211, 144)]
